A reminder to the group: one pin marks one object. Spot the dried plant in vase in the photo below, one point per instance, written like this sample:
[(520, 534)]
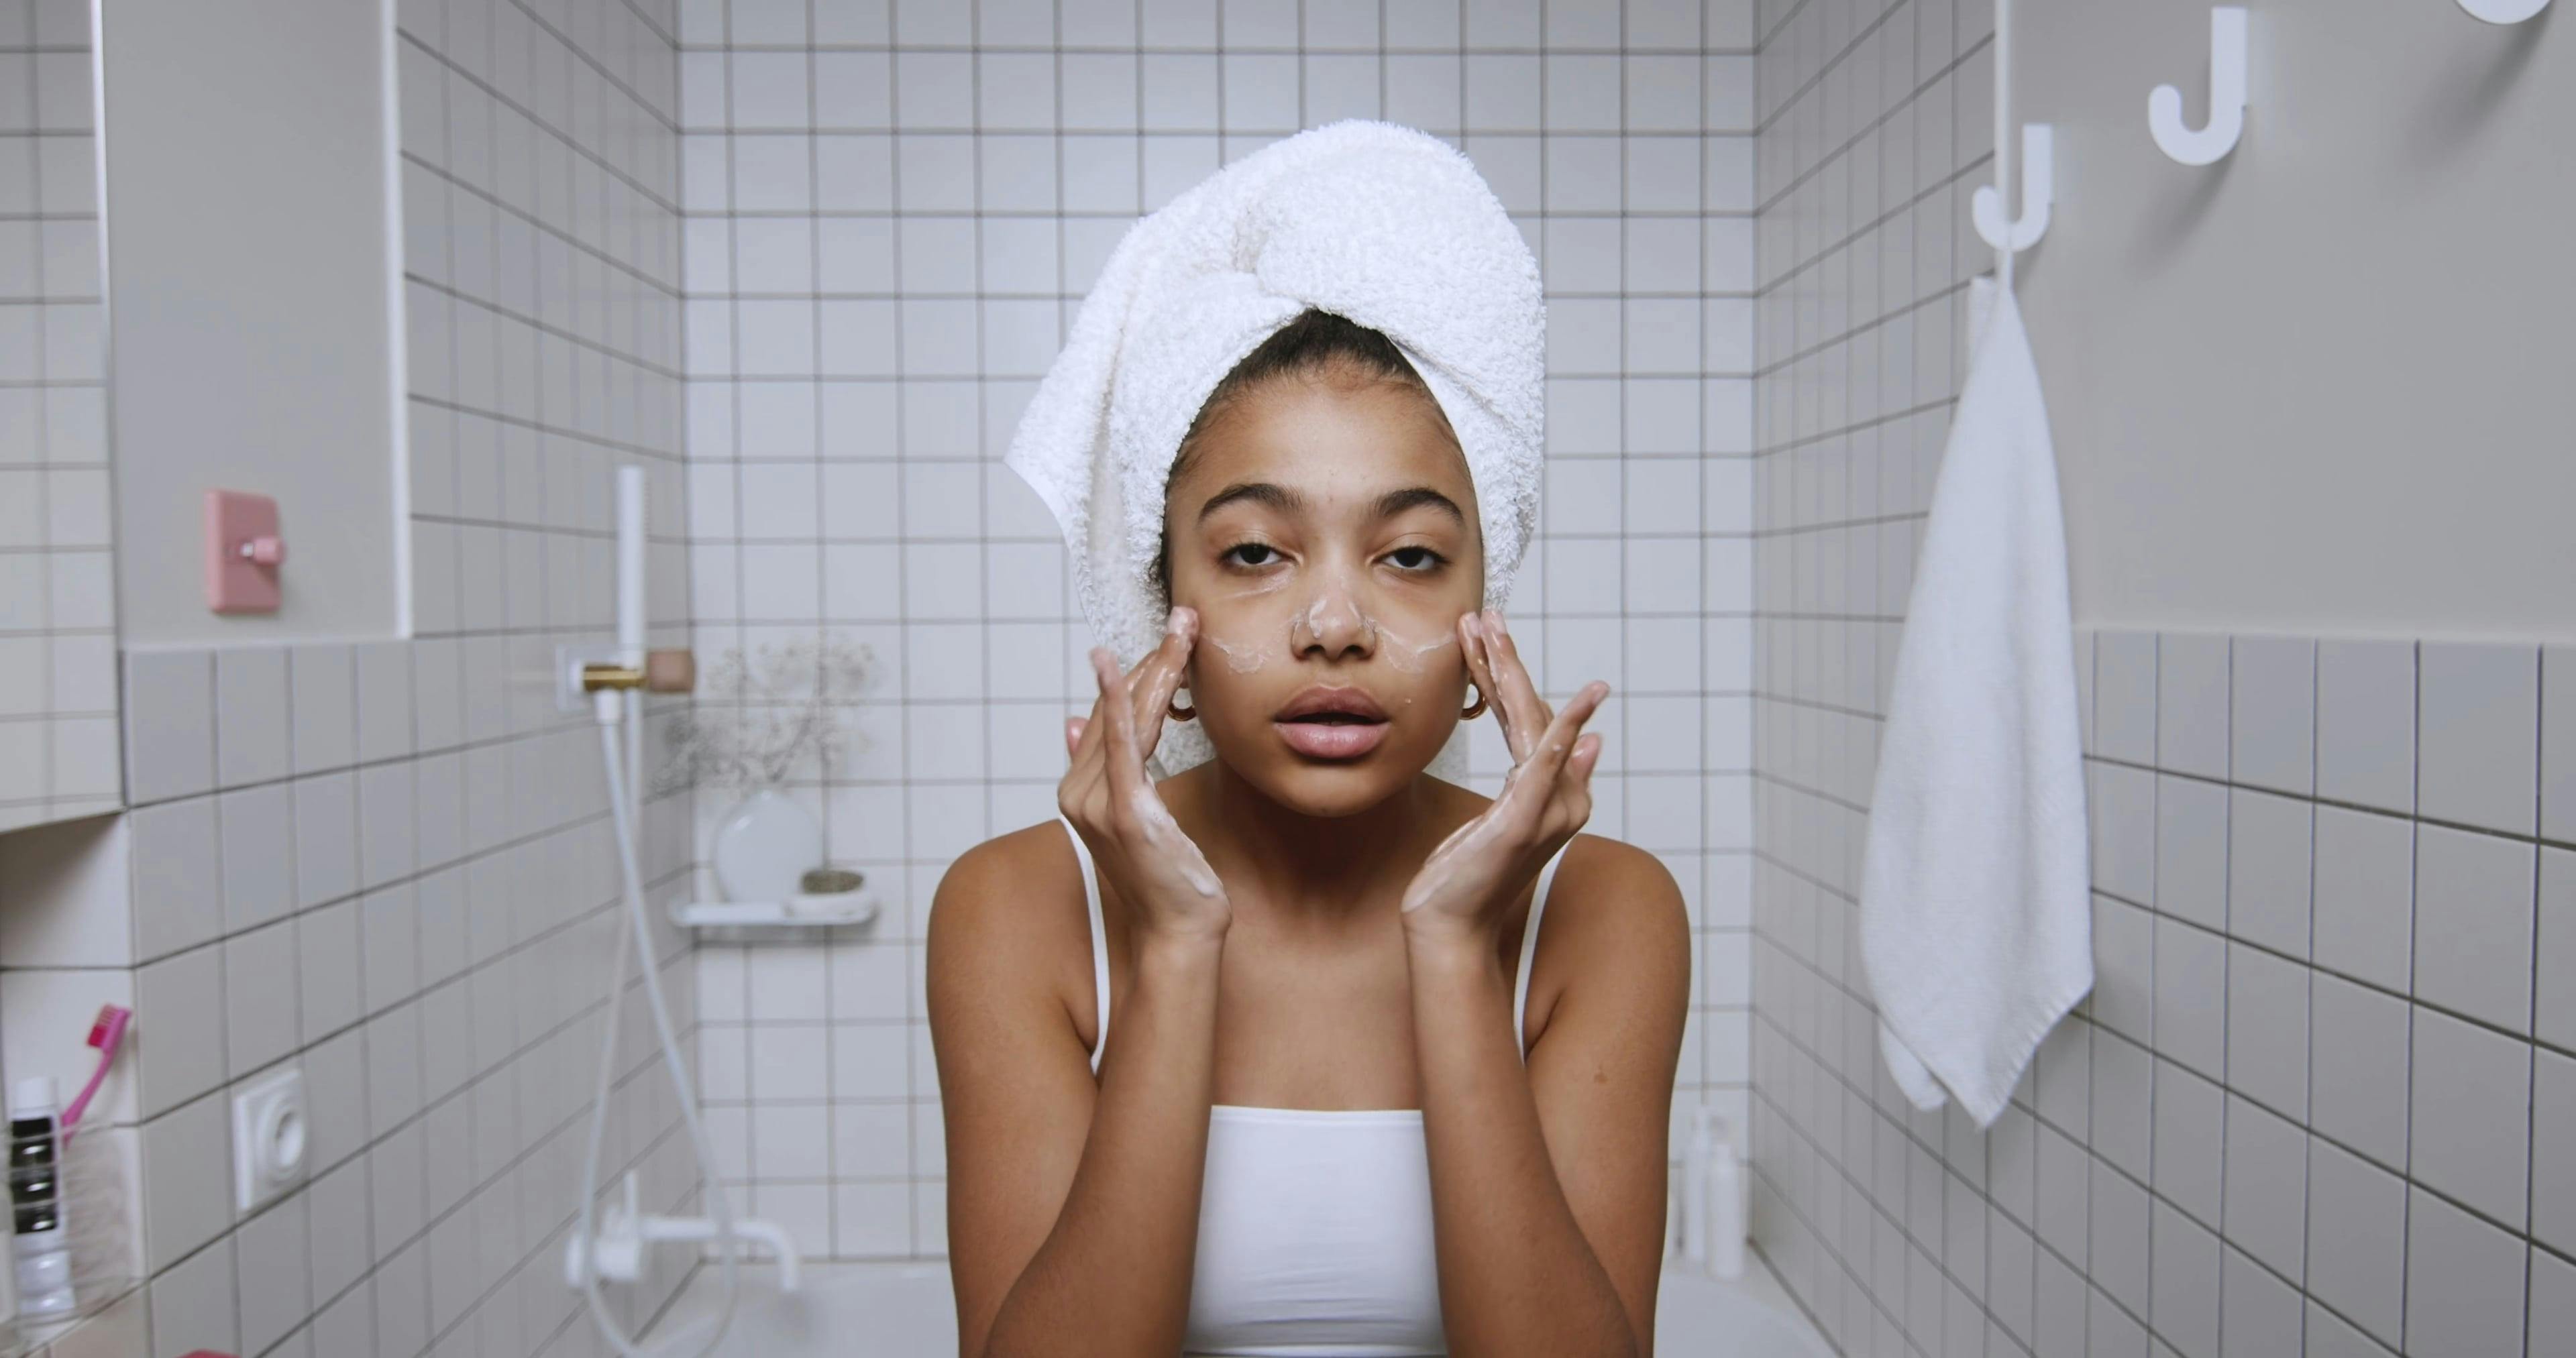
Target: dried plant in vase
[(757, 717)]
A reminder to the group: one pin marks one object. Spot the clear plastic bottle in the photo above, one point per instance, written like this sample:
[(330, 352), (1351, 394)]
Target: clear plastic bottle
[(41, 1244), (1725, 1211), (1695, 1184)]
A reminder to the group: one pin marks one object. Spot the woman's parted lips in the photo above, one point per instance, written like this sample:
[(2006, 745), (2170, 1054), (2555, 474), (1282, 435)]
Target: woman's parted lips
[(1318, 700)]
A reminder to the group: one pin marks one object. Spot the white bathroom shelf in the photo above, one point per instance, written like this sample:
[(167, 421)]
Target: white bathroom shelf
[(859, 907)]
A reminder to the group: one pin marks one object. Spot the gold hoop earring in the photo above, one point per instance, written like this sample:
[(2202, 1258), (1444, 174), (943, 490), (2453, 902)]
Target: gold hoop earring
[(1179, 713), (1478, 710)]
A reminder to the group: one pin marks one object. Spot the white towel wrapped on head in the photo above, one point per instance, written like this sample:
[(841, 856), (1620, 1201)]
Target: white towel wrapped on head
[(1385, 225)]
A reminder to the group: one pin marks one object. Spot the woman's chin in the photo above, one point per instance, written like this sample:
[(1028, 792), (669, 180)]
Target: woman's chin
[(1331, 784)]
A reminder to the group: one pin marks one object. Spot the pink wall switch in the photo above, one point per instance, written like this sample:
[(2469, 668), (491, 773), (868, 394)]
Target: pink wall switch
[(243, 552)]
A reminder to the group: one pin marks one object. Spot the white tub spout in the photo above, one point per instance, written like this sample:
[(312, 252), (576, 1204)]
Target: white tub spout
[(755, 1230), (624, 1234)]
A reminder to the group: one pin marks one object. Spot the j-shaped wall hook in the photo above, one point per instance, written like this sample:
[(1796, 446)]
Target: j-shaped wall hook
[(2226, 97), (2503, 11), (2037, 191)]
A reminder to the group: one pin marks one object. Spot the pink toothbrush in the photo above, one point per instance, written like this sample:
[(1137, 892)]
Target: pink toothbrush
[(106, 1034)]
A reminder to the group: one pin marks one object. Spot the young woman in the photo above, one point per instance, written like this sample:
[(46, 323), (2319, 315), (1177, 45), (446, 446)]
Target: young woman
[(1357, 1101)]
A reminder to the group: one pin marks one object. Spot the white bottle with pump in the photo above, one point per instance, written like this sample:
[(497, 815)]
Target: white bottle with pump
[(1696, 1160), (1725, 1210), (40, 1244)]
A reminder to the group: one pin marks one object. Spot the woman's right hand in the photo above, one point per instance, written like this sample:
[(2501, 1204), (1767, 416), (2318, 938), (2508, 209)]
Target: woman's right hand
[(1111, 801)]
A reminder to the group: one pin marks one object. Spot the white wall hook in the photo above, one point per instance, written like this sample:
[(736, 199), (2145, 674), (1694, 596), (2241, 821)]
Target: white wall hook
[(2503, 11), (2037, 191), (2226, 96)]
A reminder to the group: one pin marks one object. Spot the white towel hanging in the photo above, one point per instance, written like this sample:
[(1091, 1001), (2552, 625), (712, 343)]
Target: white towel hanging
[(1975, 914)]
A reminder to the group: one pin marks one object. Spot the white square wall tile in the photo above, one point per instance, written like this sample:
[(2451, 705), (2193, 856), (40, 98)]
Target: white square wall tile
[(2473, 924), (2358, 1085), (2366, 723), (2481, 717), (2464, 1282), (178, 883), (2191, 996), (2191, 850), (2554, 1015), (2123, 998), (789, 1062), (2273, 721), (258, 827), (390, 947), (324, 687), (179, 1029), (2267, 1029), (868, 1061), (251, 727), (2122, 1115), (2553, 1149), (2553, 1305), (337, 1205), (2117, 1252), (384, 678), (2558, 743), (187, 1186), (169, 724), (2258, 1312), (2267, 1175), (330, 967), (2267, 869), (2365, 885), (2357, 1239), (335, 1096), (387, 823), (326, 838), (2186, 1290), (271, 1257), (871, 1140), (2191, 703), (2122, 804), (2124, 696), (2472, 1115), (259, 997)]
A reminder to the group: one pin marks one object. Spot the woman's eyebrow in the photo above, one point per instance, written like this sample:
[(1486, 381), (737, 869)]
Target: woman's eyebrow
[(1287, 501), (1277, 497), (1395, 502)]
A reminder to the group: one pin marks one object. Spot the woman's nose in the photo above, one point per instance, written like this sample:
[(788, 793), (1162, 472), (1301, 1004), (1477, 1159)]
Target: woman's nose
[(1335, 621)]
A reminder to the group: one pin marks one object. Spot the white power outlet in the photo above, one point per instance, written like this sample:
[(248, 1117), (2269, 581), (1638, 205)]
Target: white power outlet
[(269, 1136)]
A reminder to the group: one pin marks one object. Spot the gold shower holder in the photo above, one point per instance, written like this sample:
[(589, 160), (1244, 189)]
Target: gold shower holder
[(581, 671)]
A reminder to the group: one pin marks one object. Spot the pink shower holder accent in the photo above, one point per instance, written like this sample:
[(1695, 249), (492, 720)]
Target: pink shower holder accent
[(243, 552)]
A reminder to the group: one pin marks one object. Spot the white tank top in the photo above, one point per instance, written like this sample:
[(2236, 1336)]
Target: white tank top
[(1314, 1223)]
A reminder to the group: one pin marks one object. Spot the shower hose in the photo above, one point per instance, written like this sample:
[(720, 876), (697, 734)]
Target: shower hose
[(624, 711)]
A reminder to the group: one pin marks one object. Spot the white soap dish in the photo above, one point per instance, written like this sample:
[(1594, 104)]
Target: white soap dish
[(794, 912)]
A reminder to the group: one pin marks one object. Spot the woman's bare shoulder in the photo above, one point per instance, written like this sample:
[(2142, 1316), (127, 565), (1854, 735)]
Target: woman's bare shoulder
[(1014, 902), (1610, 900)]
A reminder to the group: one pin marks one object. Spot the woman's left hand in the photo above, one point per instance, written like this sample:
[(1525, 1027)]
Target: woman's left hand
[(1469, 883)]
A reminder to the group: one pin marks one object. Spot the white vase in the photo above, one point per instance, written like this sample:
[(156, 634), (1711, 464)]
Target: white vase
[(765, 846)]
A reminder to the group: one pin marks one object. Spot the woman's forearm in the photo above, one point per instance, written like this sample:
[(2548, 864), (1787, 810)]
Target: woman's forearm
[(1517, 1276), (1113, 1277)]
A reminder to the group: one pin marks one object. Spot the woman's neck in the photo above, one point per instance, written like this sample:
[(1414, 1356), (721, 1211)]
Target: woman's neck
[(1296, 863)]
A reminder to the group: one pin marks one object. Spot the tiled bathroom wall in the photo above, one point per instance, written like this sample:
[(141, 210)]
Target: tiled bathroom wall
[(893, 214), (388, 863), (2323, 1096), (58, 734)]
